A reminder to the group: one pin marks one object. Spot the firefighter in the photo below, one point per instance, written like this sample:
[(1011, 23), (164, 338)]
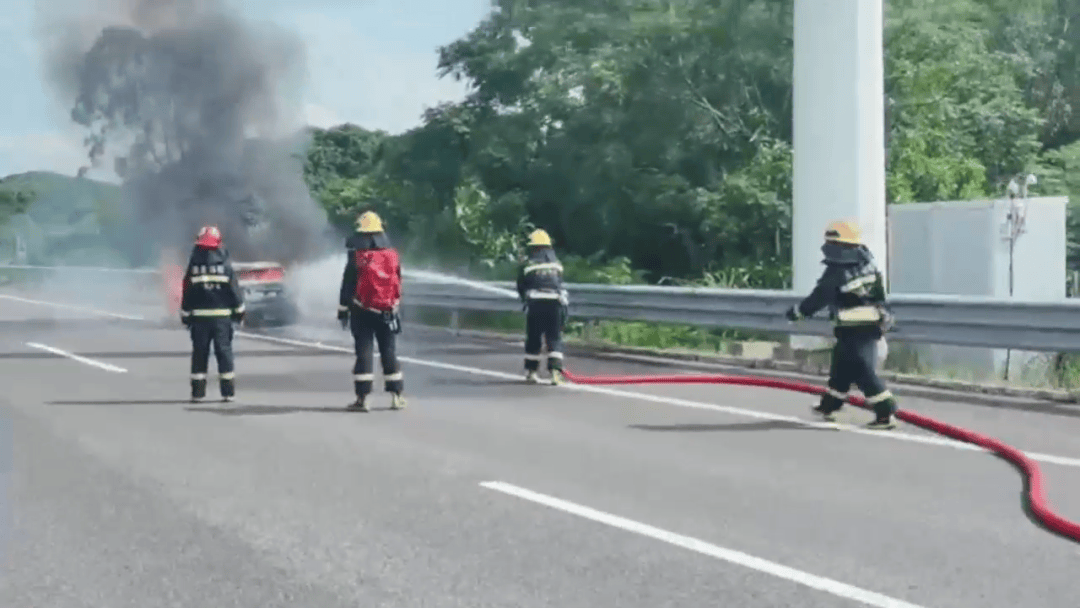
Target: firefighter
[(540, 288), (852, 289), (211, 302), (369, 305)]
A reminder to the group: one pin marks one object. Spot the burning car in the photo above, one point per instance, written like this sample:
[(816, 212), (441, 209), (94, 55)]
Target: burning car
[(268, 300)]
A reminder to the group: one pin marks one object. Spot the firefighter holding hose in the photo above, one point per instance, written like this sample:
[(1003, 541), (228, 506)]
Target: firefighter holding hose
[(210, 302), (540, 288), (369, 305), (853, 290)]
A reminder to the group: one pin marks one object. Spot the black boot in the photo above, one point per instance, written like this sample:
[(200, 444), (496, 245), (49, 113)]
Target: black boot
[(827, 407), (884, 413), (198, 390), (360, 405), (228, 389)]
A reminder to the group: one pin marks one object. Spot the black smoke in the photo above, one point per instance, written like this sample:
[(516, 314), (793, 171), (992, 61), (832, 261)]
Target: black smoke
[(196, 112)]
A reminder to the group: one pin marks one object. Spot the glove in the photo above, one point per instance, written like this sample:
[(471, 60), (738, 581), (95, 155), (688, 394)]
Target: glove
[(237, 317), (343, 318), (186, 321), (793, 314)]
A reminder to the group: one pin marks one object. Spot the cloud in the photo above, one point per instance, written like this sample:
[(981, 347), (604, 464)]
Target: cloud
[(316, 115), (43, 151), (373, 83)]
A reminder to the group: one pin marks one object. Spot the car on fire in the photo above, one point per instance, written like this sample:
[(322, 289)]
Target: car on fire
[(268, 299)]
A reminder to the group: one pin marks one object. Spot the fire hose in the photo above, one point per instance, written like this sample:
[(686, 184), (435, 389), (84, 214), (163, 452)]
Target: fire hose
[(1035, 493)]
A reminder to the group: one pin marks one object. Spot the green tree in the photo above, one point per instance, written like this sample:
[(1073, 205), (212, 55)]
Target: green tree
[(14, 201), (659, 132), (960, 127)]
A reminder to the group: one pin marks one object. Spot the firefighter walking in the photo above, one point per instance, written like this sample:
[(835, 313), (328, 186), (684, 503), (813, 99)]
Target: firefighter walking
[(369, 305), (540, 288), (852, 289), (211, 301)]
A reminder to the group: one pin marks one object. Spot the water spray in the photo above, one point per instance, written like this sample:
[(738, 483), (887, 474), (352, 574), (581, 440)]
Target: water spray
[(447, 279)]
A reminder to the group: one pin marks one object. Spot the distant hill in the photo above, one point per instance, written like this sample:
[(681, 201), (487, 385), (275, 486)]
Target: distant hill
[(53, 179), (69, 219), (65, 190)]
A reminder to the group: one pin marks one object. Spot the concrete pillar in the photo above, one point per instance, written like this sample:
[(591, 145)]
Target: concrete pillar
[(839, 130)]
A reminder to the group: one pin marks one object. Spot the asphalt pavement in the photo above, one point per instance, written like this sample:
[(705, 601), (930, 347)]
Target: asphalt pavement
[(487, 491)]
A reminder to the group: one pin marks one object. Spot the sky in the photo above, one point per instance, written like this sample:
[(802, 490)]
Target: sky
[(370, 62)]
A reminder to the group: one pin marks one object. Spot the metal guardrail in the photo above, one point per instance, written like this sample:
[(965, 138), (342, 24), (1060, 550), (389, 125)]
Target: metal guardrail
[(933, 319), (920, 318)]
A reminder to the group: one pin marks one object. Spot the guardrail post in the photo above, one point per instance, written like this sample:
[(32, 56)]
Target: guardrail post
[(784, 350), (455, 320), (589, 330)]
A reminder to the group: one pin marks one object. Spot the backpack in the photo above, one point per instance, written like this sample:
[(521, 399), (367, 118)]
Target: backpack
[(378, 285)]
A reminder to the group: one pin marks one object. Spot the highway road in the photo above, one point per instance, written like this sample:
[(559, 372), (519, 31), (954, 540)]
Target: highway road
[(488, 492)]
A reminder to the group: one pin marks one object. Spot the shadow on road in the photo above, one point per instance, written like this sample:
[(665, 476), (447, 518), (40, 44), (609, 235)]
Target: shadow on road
[(124, 402), (162, 354), (772, 425), (277, 410)]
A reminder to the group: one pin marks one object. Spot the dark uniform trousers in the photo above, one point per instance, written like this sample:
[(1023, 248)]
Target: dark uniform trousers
[(854, 361), (216, 332), (544, 323), (369, 327)]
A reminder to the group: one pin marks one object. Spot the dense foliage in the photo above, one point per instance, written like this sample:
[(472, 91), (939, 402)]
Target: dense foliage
[(653, 138)]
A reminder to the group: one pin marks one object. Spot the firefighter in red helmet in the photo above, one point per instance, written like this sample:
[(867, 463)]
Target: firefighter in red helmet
[(211, 302), (369, 306)]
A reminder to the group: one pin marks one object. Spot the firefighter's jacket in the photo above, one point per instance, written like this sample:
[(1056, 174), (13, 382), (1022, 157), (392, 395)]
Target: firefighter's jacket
[(541, 277), (851, 288), (211, 288)]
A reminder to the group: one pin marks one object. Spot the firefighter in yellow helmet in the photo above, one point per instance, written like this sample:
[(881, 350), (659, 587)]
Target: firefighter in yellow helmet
[(369, 227), (853, 290), (369, 306), (540, 287)]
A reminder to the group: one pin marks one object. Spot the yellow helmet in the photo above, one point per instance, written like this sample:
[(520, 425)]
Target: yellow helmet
[(844, 232), (369, 222), (539, 238)]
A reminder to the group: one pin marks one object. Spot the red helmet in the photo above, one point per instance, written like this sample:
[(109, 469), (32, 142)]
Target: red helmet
[(209, 238)]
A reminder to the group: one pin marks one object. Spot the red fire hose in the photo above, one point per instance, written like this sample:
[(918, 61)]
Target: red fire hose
[(1035, 494)]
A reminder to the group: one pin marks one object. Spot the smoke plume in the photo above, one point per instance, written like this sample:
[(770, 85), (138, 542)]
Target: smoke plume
[(197, 112)]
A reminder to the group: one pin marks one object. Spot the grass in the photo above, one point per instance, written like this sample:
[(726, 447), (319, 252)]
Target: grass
[(617, 333)]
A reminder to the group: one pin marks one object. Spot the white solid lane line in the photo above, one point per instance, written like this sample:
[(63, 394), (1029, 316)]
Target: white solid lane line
[(841, 590), (1065, 461), (63, 353), (104, 313)]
